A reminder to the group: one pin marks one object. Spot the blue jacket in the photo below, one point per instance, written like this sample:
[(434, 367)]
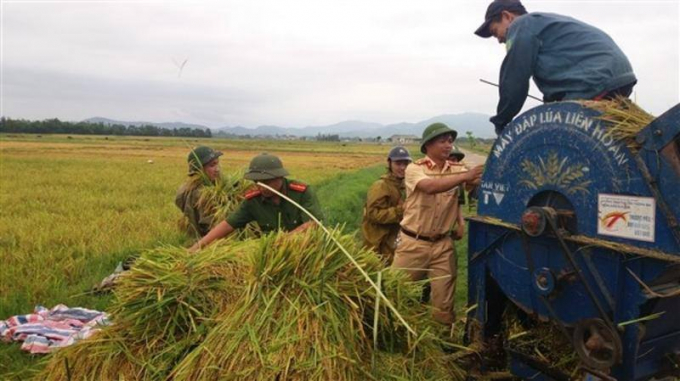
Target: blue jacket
[(567, 58)]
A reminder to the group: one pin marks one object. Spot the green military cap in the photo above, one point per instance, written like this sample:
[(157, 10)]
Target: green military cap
[(434, 130), (457, 153), (200, 156), (265, 167)]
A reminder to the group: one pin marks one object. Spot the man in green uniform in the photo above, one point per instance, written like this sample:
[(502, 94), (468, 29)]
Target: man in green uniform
[(384, 206), (266, 208), (204, 170)]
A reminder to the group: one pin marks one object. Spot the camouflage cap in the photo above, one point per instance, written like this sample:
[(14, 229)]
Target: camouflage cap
[(457, 153), (200, 156), (434, 130), (265, 167)]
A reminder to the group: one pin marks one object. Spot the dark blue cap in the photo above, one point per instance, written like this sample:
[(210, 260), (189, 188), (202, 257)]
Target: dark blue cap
[(399, 153), (495, 9)]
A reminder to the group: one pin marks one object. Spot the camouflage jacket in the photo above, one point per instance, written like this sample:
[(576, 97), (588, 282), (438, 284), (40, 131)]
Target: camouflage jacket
[(199, 221), (382, 214)]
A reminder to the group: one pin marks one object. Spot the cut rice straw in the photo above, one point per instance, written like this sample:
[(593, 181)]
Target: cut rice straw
[(375, 323), (644, 318), (379, 292), (624, 118), (650, 291)]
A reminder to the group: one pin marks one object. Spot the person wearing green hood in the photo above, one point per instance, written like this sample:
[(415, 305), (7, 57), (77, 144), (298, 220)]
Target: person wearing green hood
[(266, 208), (424, 248), (204, 170), (384, 206)]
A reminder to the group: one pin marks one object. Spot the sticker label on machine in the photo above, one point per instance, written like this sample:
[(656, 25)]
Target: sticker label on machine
[(626, 216)]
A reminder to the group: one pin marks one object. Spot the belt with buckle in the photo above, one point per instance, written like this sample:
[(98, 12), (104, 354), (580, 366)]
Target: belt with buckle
[(436, 238)]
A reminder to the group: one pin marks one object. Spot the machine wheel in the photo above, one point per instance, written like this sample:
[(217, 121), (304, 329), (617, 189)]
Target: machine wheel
[(598, 345)]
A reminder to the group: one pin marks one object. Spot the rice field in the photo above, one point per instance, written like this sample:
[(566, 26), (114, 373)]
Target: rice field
[(73, 207)]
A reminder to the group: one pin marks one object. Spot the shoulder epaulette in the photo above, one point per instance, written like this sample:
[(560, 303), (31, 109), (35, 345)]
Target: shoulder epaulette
[(252, 194), (298, 187), (425, 161)]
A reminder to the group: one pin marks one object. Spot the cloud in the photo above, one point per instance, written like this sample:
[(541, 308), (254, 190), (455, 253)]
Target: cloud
[(55, 92), (290, 63)]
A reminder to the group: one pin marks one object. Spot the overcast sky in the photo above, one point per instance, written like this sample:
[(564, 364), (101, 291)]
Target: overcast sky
[(291, 63)]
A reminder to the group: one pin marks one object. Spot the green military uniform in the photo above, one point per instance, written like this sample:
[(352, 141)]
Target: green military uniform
[(382, 214), (186, 199), (270, 216)]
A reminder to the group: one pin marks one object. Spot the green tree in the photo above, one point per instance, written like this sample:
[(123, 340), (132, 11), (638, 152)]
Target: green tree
[(471, 138)]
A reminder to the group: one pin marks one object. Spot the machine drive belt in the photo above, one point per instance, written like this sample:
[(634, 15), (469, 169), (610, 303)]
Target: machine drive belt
[(598, 279), (570, 257), (546, 303)]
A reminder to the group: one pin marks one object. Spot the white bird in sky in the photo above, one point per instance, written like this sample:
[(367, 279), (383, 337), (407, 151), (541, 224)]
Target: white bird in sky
[(180, 66)]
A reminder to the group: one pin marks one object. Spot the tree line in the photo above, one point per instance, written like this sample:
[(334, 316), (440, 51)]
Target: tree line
[(327, 137), (56, 126)]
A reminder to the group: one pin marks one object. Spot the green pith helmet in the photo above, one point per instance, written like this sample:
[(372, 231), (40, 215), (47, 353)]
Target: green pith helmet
[(200, 156), (265, 167), (434, 130), (457, 153)]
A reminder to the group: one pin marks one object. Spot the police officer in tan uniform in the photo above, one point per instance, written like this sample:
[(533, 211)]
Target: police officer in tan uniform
[(425, 248), (384, 206)]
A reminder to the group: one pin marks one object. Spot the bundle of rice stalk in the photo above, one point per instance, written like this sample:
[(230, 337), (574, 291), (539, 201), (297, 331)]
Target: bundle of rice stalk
[(163, 307), (624, 119), (308, 313), (220, 198)]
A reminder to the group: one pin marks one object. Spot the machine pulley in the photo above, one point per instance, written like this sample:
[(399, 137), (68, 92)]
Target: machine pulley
[(597, 344)]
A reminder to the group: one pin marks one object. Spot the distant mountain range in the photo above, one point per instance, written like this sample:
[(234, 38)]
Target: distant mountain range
[(139, 124), (477, 123)]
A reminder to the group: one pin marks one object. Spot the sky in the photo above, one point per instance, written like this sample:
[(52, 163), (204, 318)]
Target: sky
[(291, 63)]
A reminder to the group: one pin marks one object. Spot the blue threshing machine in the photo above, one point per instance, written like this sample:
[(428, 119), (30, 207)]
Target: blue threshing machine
[(581, 231)]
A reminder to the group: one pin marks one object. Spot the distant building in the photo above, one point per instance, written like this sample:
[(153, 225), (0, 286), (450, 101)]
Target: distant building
[(404, 139)]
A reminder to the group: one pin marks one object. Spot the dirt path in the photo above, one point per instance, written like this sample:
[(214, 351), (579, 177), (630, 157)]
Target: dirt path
[(473, 158)]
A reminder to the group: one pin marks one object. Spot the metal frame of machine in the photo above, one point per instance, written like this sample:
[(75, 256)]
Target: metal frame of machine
[(580, 231)]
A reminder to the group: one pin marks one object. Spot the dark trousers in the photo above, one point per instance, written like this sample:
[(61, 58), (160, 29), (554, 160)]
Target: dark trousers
[(623, 91)]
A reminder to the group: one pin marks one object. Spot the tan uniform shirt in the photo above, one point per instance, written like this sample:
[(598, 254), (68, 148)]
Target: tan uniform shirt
[(425, 214)]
